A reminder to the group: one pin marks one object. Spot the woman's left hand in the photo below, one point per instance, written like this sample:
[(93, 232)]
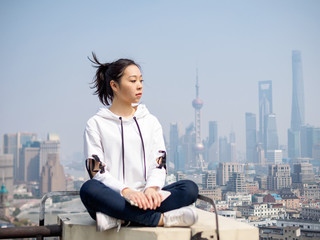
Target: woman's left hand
[(153, 196)]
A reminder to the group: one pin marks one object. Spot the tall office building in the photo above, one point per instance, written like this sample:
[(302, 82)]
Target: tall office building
[(232, 148), (52, 175), (174, 143), (6, 172), (197, 104), (274, 157), (212, 144), (237, 183), (265, 106), (12, 144), (279, 176), (294, 145), (209, 180), (251, 138), (309, 137), (303, 173), (223, 149), (270, 133), (213, 132), (225, 170), (188, 142), (30, 162), (51, 145), (297, 113)]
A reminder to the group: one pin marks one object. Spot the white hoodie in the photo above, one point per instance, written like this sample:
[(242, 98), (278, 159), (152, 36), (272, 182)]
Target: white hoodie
[(103, 137)]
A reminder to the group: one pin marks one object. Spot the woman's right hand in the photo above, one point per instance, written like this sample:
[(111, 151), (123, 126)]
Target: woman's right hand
[(137, 197)]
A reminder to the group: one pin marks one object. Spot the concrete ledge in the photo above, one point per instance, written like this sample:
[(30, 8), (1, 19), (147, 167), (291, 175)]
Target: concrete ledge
[(80, 226)]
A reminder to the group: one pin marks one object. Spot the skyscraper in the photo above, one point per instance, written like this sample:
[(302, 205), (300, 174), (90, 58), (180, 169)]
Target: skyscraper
[(251, 137), (297, 113), (12, 144), (6, 171), (212, 147), (174, 143), (52, 175), (197, 105), (213, 132), (265, 106), (271, 141), (309, 137), (51, 145), (279, 176)]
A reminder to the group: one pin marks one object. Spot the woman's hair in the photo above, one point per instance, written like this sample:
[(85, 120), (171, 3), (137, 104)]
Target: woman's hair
[(107, 72)]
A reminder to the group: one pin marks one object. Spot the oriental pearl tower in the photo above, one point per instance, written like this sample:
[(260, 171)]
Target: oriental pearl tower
[(197, 105)]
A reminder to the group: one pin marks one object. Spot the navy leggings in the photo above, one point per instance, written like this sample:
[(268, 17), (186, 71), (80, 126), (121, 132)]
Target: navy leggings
[(97, 197)]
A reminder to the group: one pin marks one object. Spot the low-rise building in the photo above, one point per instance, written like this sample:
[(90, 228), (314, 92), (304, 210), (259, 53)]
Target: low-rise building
[(288, 233), (262, 210), (310, 213), (234, 199)]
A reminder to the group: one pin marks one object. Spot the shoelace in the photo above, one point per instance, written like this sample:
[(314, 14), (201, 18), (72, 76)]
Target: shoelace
[(175, 219), (118, 225)]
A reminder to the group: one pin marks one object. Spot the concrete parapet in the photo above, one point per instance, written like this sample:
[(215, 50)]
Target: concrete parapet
[(80, 226)]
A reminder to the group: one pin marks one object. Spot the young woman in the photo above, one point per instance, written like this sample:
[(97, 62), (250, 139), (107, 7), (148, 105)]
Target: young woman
[(128, 140)]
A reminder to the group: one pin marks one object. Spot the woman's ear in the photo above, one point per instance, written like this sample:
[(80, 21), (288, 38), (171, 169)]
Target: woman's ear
[(114, 86)]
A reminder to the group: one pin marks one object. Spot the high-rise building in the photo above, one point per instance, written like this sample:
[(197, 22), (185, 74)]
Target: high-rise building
[(303, 173), (309, 136), (197, 104), (294, 150), (188, 142), (12, 144), (30, 162), (279, 176), (51, 145), (213, 132), (270, 133), (212, 147), (174, 143), (297, 113), (265, 106), (209, 180), (260, 154), (237, 183), (223, 149), (274, 156), (6, 172), (52, 175), (251, 138), (225, 170)]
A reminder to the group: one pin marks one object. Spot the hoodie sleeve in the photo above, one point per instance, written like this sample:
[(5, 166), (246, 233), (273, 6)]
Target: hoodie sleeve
[(93, 145), (156, 176)]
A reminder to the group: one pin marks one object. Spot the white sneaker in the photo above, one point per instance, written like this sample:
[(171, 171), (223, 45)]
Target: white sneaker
[(105, 222), (182, 217)]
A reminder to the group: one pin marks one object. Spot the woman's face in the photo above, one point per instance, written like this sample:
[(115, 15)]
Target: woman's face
[(131, 87)]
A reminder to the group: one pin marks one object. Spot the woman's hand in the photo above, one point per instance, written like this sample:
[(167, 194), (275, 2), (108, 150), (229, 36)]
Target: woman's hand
[(137, 197), (154, 197)]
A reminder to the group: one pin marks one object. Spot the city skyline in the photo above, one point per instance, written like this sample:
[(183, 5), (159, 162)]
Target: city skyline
[(45, 73)]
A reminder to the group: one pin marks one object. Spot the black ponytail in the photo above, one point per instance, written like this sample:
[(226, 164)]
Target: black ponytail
[(105, 73)]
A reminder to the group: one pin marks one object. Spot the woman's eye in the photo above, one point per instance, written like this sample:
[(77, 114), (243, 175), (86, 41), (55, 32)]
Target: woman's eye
[(133, 81)]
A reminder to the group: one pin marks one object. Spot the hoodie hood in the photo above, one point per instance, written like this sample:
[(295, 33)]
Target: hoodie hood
[(141, 112)]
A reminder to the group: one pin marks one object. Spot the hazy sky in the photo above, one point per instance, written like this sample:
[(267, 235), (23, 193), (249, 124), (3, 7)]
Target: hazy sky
[(45, 73)]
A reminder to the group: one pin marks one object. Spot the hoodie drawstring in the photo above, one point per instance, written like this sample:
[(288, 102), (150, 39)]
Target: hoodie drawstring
[(144, 153), (122, 142)]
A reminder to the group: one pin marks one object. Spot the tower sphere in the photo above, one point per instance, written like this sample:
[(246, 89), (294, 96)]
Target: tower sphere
[(199, 147), (197, 103)]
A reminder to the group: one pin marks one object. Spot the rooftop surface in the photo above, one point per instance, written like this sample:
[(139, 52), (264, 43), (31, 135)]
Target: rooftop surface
[(81, 227)]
